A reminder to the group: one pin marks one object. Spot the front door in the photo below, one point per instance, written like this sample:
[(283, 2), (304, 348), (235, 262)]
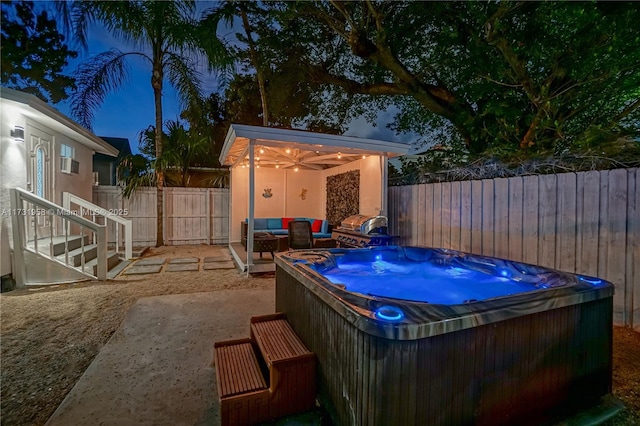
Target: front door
[(39, 172)]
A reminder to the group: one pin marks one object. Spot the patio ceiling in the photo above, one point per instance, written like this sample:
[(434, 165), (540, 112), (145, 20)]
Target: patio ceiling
[(284, 148)]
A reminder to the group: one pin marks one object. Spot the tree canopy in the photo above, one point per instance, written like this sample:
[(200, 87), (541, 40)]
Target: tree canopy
[(34, 53), (495, 76)]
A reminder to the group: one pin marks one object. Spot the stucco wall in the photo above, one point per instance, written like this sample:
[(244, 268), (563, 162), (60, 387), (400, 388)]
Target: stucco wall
[(80, 184), (286, 187), (285, 201), (12, 174)]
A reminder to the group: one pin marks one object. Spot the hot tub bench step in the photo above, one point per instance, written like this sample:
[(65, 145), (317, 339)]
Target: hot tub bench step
[(245, 397), (292, 376), (242, 391)]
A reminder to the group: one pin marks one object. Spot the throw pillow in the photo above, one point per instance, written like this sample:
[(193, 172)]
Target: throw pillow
[(316, 226), (285, 222)]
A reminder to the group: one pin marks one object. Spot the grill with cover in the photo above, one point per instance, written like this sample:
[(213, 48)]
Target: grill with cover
[(362, 231)]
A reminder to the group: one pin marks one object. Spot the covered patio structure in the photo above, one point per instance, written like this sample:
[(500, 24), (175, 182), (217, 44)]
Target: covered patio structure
[(282, 173)]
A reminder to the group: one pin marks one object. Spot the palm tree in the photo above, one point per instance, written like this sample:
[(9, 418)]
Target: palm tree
[(167, 36), (182, 150)]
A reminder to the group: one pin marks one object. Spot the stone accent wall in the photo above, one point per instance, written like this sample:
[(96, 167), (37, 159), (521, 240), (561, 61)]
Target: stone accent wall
[(343, 196)]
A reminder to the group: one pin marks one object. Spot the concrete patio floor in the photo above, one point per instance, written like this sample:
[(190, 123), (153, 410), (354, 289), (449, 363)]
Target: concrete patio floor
[(157, 368)]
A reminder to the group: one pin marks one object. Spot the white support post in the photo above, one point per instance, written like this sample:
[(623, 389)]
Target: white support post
[(251, 205), (19, 239), (101, 236), (385, 184)]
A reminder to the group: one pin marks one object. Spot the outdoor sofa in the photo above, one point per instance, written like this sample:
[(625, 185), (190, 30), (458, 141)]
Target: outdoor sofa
[(279, 226)]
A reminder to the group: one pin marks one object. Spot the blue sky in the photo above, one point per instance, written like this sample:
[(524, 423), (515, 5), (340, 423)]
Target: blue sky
[(129, 110)]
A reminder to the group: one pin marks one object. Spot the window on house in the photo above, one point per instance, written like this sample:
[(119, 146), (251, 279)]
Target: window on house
[(66, 151)]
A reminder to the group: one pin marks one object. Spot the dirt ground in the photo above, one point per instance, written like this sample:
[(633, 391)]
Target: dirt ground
[(50, 335)]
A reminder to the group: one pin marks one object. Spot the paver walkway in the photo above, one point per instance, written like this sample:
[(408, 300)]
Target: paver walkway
[(154, 265)]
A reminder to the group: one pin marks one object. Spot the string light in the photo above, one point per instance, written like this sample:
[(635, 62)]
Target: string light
[(288, 151), (339, 155), (295, 169), (261, 150)]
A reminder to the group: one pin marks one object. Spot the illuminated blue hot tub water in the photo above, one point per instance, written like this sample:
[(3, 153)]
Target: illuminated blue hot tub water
[(443, 277), (423, 282)]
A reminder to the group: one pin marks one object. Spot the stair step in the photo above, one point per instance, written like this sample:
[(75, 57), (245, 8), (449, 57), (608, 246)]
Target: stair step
[(242, 389), (75, 255), (73, 242), (113, 259)]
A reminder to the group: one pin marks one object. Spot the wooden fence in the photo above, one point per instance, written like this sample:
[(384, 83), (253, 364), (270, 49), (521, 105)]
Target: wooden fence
[(586, 223), (191, 215)]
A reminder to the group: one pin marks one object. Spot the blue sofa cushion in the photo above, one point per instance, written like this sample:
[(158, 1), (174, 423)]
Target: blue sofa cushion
[(279, 231), (260, 223), (321, 235), (325, 228), (274, 223)]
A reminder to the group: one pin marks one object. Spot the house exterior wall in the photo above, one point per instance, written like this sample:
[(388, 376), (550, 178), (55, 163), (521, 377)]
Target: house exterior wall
[(79, 184), (104, 166), (13, 173)]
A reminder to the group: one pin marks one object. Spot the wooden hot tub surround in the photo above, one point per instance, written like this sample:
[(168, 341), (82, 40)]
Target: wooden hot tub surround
[(522, 360)]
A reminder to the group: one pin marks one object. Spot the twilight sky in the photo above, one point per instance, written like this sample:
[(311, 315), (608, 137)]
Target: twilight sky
[(129, 110)]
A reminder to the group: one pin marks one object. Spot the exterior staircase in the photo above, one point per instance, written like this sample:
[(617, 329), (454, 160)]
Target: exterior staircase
[(75, 248), (82, 255)]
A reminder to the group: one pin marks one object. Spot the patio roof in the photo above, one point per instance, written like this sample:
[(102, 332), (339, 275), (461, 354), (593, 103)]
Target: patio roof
[(285, 148)]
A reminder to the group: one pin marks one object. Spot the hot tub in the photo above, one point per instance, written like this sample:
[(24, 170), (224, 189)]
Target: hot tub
[(407, 335)]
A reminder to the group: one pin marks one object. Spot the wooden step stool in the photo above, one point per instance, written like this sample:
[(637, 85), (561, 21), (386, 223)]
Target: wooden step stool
[(242, 391), (243, 394), (292, 376)]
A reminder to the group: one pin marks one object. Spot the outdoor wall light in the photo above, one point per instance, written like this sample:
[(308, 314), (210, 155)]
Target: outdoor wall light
[(18, 133)]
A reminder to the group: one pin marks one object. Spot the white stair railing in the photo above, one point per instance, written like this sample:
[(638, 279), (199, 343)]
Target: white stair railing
[(123, 238), (28, 215)]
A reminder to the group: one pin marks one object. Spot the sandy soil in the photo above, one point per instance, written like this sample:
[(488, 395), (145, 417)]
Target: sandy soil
[(50, 335)]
